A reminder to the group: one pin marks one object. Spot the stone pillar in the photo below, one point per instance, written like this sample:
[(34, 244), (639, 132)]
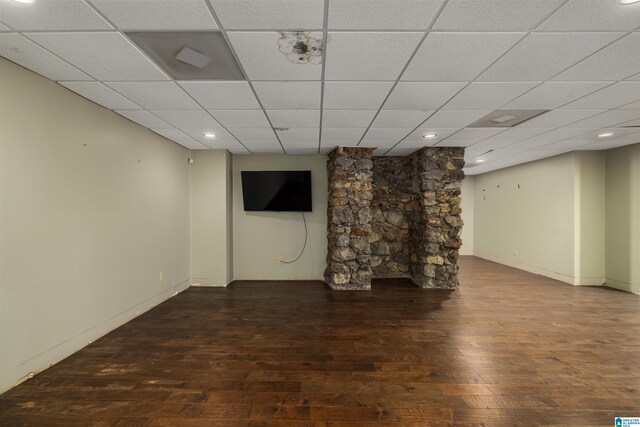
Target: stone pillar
[(437, 178), (349, 218)]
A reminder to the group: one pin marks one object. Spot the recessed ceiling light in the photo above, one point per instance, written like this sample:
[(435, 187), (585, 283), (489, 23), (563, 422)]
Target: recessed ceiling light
[(209, 135), (479, 160), (628, 1), (605, 135), (429, 135), (24, 1)]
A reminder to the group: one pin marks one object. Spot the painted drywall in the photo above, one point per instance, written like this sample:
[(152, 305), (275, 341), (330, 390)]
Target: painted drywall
[(589, 218), (258, 237), (211, 223), (92, 209), (468, 198), (623, 218), (524, 216)]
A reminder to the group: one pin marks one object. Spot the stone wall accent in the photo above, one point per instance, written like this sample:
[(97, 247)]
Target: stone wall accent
[(349, 217), (437, 178)]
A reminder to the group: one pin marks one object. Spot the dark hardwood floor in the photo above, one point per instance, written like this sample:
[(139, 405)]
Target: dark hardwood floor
[(507, 348)]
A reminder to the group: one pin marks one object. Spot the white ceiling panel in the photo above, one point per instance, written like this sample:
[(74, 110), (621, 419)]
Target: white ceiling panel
[(51, 15), (494, 15), (455, 118), (503, 139), (632, 138), (270, 14), (260, 55), (101, 94), (635, 122), (384, 138), (223, 138), (615, 62), (144, 118), (222, 95), (254, 135), (26, 53), (240, 118), (558, 118), (400, 118), (356, 56), (613, 96), (4, 27), (188, 118), (105, 56), (355, 95), (545, 138), (422, 95), (264, 147), (469, 136), (457, 56), (157, 14), (382, 14), (484, 96), (302, 151), (551, 95), (289, 95), (607, 119), (341, 136), (299, 137), (181, 138), (631, 106), (415, 139), (155, 95), (347, 118), (592, 15), (540, 56), (294, 118)]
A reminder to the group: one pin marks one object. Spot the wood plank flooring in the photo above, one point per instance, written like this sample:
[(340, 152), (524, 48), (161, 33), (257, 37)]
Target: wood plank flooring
[(507, 348)]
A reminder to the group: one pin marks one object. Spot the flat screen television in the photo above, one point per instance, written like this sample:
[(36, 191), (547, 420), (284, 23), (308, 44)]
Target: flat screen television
[(280, 191)]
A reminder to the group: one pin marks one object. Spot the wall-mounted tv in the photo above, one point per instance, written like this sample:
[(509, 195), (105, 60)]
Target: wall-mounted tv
[(281, 191)]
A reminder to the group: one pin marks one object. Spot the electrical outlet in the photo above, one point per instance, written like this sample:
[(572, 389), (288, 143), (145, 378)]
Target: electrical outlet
[(278, 259), (162, 276), (275, 260)]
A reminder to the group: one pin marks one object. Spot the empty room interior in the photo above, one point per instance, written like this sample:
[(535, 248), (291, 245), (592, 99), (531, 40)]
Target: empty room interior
[(319, 212)]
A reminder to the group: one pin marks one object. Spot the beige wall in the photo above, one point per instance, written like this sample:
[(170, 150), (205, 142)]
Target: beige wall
[(623, 218), (92, 209), (260, 236), (468, 196), (211, 222)]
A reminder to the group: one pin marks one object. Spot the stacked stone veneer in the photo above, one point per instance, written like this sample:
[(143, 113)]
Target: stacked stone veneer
[(394, 217)]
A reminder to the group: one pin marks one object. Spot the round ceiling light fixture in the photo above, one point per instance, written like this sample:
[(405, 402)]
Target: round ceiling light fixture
[(628, 1), (605, 135), (479, 160), (25, 1), (429, 135), (210, 135)]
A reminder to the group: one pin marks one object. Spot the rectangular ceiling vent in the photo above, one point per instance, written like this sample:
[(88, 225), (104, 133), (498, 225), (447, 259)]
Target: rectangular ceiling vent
[(190, 55), (505, 118)]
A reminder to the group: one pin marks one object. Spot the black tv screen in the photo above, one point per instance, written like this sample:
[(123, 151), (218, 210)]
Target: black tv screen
[(276, 191)]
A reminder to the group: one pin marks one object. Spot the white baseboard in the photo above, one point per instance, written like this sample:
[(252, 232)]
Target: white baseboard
[(588, 281), (64, 349), (623, 286), (531, 269), (468, 252), (211, 283)]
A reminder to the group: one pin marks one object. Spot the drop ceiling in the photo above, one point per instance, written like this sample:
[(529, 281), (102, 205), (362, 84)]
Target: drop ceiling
[(391, 72)]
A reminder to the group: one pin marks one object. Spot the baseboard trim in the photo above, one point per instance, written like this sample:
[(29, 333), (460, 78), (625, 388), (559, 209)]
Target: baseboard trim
[(623, 286), (531, 269), (588, 281), (208, 283)]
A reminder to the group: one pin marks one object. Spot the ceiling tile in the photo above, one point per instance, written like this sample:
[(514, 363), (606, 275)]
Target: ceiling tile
[(341, 136), (308, 151), (558, 118), (51, 15), (494, 15), (269, 14), (415, 139), (457, 56), (263, 59), (155, 95), (289, 95), (26, 53), (455, 118), (382, 14), (400, 118), (607, 119), (105, 56), (223, 138), (551, 95), (631, 138), (299, 137), (481, 96), (181, 138), (4, 27), (545, 138), (503, 139), (222, 95), (615, 62), (635, 122), (264, 147), (294, 118), (355, 95), (540, 56), (347, 118), (612, 96), (384, 138), (469, 136), (630, 106), (253, 135), (356, 56), (145, 118), (101, 94), (422, 95), (157, 14), (241, 118), (188, 118), (592, 15)]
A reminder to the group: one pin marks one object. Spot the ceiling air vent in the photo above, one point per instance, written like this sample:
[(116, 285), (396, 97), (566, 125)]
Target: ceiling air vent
[(190, 55), (505, 118)]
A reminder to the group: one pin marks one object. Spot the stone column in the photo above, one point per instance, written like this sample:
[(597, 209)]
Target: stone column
[(349, 218), (437, 178)]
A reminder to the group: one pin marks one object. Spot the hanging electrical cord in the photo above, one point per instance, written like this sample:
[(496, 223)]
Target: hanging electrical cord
[(305, 241)]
